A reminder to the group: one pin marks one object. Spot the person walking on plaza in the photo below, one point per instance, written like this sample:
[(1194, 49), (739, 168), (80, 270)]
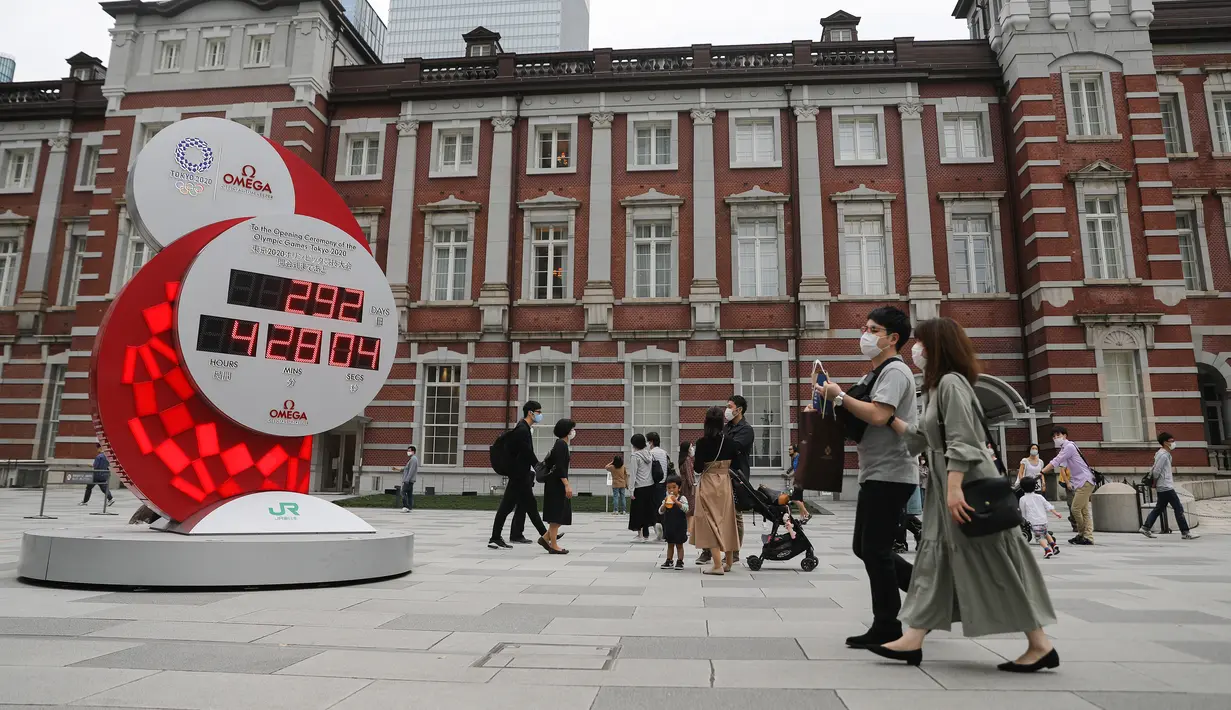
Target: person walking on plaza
[(619, 485), (643, 511), (1032, 467), (1081, 483), (659, 456), (102, 478), (990, 583), (1034, 509), (715, 525), (557, 492), (1162, 476), (688, 481), (518, 453), (888, 474), (410, 474)]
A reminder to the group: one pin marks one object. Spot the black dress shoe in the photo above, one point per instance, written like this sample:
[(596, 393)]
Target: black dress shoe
[(1051, 660), (912, 658), (521, 541), (872, 638)]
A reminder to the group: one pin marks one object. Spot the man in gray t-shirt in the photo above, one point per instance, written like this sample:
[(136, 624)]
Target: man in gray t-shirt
[(888, 474)]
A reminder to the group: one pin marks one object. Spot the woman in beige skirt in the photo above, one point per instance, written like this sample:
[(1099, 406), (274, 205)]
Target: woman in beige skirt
[(714, 526)]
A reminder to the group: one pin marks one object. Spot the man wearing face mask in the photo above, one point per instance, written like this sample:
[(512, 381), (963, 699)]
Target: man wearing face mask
[(1163, 478), (888, 474), (519, 492), (1081, 482), (410, 473), (742, 433)]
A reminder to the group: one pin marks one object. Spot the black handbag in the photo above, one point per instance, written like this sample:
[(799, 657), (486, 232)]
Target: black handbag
[(853, 426), (995, 507)]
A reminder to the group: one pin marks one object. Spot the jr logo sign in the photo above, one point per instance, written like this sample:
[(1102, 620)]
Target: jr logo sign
[(285, 511)]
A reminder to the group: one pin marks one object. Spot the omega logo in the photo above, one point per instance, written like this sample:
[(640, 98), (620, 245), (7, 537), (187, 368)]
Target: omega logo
[(247, 180), (288, 413)]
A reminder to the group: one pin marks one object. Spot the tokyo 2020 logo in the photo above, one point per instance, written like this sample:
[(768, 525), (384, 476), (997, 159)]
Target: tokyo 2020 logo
[(206, 154)]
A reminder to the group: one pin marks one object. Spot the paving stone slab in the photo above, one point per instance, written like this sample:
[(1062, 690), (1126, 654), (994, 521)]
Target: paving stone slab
[(525, 624), (571, 589), (1070, 676), (771, 603), (964, 700), (215, 657), (636, 672), (817, 674), (614, 698), (464, 696), (208, 691), (26, 651), (562, 612), (56, 686), (393, 665), (49, 626), (355, 638), (1155, 701), (727, 649), (1188, 677), (1212, 651), (183, 598)]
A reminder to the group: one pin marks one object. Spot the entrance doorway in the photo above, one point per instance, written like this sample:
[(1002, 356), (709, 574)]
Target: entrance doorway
[(338, 472)]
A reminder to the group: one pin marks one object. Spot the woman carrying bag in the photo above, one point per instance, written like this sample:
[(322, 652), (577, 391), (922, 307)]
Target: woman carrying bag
[(972, 557)]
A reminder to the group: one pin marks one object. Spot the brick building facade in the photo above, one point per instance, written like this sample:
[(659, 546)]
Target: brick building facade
[(631, 236)]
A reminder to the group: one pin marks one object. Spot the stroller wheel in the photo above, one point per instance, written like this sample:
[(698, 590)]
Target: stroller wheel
[(754, 562), (809, 564), (1027, 533)]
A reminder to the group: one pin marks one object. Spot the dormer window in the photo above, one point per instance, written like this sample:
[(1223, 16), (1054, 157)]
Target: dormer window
[(481, 50), (840, 27), (482, 42), (840, 35)]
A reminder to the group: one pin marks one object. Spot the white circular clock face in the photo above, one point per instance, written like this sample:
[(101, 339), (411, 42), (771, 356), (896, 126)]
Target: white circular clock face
[(286, 325), (201, 171)]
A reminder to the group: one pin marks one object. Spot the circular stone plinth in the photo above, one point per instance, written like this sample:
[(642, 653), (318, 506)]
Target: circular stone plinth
[(140, 557)]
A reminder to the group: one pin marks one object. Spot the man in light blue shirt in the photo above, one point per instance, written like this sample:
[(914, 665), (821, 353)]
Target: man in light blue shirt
[(1162, 474), (1081, 483)]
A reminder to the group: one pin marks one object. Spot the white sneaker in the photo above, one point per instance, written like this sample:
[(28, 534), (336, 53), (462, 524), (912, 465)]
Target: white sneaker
[(1145, 531), (405, 510), (1191, 536)]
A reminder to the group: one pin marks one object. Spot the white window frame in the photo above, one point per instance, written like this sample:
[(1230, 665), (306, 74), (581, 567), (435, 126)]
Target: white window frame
[(1220, 124), (88, 159), (369, 222), (841, 113), (964, 107), (1105, 184), (479, 50), (1192, 202), (73, 262), (1170, 84), (1106, 367), (53, 405), (33, 152), (844, 34), (444, 129), (457, 247), (1217, 86), (757, 205), (367, 129), (10, 277), (659, 238), (850, 234), (1107, 108), (446, 359), (651, 355), (450, 213), (738, 117), (760, 354), (150, 120), (655, 122), (170, 56), (960, 205), (648, 208), (543, 124), (1134, 335), (858, 203), (250, 39), (210, 41), (544, 356), (253, 122), (550, 209)]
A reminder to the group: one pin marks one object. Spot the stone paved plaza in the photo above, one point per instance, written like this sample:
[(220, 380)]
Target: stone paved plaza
[(1144, 624)]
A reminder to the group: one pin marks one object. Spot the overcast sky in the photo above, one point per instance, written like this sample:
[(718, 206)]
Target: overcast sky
[(43, 33)]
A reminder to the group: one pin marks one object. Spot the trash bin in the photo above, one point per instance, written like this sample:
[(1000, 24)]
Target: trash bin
[(1114, 506)]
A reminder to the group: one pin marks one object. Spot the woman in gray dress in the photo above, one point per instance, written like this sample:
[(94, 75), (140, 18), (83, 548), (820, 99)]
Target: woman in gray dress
[(992, 583)]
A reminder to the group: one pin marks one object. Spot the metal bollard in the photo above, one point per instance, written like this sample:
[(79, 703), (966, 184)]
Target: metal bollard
[(42, 503), (106, 500)]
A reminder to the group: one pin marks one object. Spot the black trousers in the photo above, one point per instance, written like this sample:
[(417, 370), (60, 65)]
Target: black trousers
[(519, 497), (1162, 500), (877, 517), (104, 487)]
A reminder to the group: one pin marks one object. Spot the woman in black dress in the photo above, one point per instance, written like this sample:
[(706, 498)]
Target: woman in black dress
[(557, 508), (643, 513)]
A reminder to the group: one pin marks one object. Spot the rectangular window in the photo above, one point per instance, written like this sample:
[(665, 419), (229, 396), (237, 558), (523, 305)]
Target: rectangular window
[(74, 259), (10, 258), (169, 56), (258, 50), (652, 407), (450, 245), (138, 253), (859, 138), (456, 151), (762, 387), (256, 124), (442, 406), (51, 418), (555, 147), (545, 385), (362, 160), (653, 144), (215, 53), (1222, 123), (1086, 98), (549, 269), (480, 50), (1123, 394), (840, 35), (652, 260), (149, 131), (964, 137), (972, 256), (866, 262), (89, 166), (757, 241), (1103, 233), (1190, 253), (19, 168), (1173, 123), (754, 141)]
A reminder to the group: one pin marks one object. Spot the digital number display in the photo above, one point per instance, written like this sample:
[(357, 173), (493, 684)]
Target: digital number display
[(276, 293), (302, 345), (354, 351), (227, 336)]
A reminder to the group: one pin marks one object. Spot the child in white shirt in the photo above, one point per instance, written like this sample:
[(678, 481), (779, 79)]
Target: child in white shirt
[(1034, 509)]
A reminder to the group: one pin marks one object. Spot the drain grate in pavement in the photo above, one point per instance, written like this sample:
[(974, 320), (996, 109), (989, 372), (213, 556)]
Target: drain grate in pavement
[(550, 656)]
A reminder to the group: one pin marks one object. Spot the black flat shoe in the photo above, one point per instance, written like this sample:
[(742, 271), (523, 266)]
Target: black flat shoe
[(872, 638), (1051, 660), (544, 544), (520, 541), (912, 658)]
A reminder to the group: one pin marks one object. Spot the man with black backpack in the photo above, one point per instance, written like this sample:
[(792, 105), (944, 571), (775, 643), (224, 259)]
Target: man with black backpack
[(888, 474), (512, 455)]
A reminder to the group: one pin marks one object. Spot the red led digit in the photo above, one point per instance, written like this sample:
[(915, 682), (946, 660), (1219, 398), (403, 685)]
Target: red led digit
[(342, 350), (297, 299), (352, 305), (326, 298), (280, 337), (371, 352), (308, 346), (245, 336)]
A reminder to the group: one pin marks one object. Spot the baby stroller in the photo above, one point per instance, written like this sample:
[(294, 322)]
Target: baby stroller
[(774, 506), (1027, 530)]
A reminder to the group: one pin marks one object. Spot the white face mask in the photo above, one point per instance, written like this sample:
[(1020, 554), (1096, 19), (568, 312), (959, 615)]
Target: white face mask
[(919, 356), (572, 435), (1034, 452), (692, 451), (728, 414), (869, 345), (409, 452), (1058, 441)]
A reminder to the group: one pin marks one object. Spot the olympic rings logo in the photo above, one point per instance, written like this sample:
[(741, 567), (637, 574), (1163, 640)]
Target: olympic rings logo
[(181, 155), (190, 189)]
